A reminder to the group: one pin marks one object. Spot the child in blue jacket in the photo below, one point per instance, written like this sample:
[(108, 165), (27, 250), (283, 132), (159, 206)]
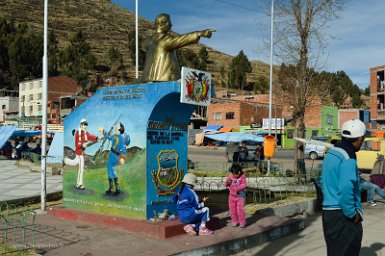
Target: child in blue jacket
[(190, 209)]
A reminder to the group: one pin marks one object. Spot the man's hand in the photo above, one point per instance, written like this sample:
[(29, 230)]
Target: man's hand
[(357, 217), (208, 32), (205, 198), (228, 181)]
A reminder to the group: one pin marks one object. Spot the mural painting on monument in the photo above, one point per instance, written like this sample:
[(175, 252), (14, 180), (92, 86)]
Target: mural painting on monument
[(146, 126), (113, 162), (167, 177)]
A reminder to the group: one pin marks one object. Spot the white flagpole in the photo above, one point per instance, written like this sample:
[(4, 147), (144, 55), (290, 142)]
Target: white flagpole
[(136, 41), (271, 74), (44, 117)]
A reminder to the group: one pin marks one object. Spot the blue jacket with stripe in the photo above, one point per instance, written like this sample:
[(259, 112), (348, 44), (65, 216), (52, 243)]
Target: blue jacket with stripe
[(341, 180)]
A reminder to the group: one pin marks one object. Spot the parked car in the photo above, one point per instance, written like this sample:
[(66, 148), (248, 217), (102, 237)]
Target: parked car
[(315, 151), (367, 156)]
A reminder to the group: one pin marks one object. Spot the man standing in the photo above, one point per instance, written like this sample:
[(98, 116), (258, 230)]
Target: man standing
[(342, 210), (161, 63), (82, 141)]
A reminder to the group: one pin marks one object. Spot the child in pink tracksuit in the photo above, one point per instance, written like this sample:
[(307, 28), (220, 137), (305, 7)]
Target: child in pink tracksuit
[(236, 182)]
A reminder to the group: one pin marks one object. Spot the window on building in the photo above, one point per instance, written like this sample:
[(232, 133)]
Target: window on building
[(2, 106), (53, 116), (39, 96), (314, 133), (329, 119), (30, 109), (23, 98), (39, 108), (31, 97), (30, 86), (230, 115), (56, 105), (217, 116), (290, 134)]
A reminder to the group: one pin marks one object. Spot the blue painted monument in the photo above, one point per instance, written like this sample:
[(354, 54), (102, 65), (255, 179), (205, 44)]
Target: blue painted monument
[(155, 158), (125, 148)]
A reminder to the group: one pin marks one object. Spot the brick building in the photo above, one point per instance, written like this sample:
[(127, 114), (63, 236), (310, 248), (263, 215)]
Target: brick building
[(237, 113), (353, 113), (377, 94)]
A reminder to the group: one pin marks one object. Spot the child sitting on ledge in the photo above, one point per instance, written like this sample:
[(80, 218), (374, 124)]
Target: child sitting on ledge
[(190, 210)]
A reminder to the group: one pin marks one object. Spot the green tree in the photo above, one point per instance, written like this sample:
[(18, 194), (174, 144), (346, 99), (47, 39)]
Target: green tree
[(261, 85), (25, 57), (238, 68), (7, 30), (53, 54), (115, 57), (203, 55), (132, 49), (188, 58), (222, 73), (77, 59)]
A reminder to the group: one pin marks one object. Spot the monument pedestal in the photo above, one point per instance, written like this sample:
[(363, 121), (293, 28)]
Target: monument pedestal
[(161, 230)]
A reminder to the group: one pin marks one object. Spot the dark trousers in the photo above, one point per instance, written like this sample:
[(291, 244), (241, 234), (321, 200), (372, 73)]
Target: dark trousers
[(342, 236)]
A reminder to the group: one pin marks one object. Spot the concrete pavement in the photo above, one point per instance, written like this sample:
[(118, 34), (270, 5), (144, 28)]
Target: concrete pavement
[(18, 183), (310, 241), (264, 236)]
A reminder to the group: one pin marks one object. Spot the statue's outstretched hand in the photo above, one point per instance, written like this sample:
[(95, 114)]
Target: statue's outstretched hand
[(208, 32)]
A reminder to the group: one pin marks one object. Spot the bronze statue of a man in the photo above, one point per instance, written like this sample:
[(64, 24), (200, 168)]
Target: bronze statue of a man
[(161, 63)]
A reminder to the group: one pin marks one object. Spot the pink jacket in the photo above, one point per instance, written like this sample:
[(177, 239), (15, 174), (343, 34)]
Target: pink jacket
[(237, 185)]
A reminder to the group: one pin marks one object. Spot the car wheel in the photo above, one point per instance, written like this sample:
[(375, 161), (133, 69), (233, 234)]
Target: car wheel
[(313, 155)]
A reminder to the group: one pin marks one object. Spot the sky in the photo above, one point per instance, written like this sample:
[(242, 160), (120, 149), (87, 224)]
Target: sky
[(358, 34)]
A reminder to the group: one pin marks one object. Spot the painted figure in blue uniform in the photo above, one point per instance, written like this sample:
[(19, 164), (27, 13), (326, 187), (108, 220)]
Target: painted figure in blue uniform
[(190, 209), (117, 155)]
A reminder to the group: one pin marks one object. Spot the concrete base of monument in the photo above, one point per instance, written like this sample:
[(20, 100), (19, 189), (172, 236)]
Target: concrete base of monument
[(161, 229)]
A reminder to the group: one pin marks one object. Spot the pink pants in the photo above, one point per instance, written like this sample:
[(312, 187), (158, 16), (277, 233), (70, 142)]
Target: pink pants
[(237, 212)]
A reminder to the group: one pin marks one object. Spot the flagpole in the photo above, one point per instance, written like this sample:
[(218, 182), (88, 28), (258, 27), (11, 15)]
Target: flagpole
[(136, 41), (271, 74), (44, 117)]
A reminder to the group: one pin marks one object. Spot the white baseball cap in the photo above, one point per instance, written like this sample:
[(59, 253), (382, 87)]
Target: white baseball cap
[(353, 128)]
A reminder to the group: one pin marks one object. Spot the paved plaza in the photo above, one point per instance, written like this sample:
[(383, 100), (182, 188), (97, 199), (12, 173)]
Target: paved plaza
[(265, 236)]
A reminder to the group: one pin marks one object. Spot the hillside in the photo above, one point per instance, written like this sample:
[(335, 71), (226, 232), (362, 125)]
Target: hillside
[(104, 24)]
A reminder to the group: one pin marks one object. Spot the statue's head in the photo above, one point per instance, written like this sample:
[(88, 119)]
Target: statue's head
[(163, 23)]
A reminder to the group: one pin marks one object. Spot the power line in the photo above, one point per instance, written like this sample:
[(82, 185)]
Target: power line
[(240, 6)]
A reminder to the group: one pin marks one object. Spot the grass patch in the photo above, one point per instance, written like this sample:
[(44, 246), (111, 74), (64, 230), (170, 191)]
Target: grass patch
[(202, 173), (255, 208), (9, 251)]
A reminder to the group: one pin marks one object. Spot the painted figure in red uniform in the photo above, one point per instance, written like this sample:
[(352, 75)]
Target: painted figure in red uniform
[(82, 141)]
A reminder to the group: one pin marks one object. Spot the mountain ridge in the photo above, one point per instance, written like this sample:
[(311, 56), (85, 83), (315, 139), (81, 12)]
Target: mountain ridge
[(104, 24)]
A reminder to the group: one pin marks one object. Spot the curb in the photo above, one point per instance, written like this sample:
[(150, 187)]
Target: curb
[(54, 196), (241, 244), (308, 207)]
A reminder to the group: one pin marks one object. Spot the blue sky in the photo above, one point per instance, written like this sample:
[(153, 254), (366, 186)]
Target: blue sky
[(359, 31)]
